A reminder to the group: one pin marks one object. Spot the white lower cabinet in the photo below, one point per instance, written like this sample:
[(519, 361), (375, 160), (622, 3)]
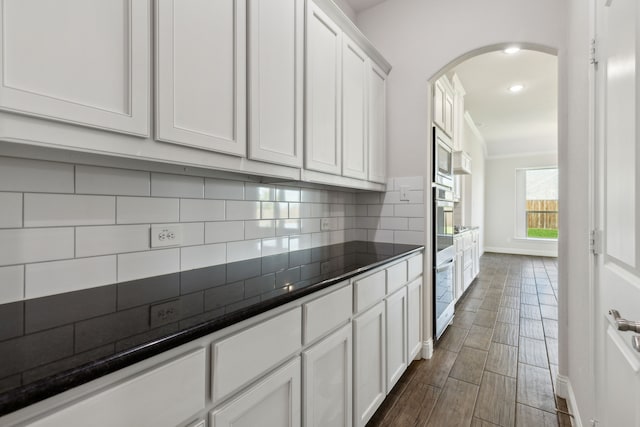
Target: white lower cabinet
[(369, 353), (327, 381), (396, 333), (414, 318), (273, 402)]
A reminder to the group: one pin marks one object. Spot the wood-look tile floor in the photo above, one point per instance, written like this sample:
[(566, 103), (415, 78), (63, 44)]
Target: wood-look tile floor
[(496, 364)]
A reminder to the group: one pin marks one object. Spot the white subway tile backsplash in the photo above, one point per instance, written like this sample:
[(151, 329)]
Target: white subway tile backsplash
[(385, 236), (259, 229), (361, 210), (409, 237), (368, 198), (320, 210), (247, 249), (294, 210), (287, 194), (275, 246), (111, 239), (336, 210), (51, 210), (390, 223), (120, 182), (413, 182), (356, 234), (50, 278), (416, 224), (138, 265), (320, 239), (300, 242), (165, 185), (259, 192), (11, 284), (275, 210), (10, 210), (411, 211), (223, 189), (350, 210), (35, 176), (380, 210), (20, 246), (305, 210), (416, 196), (370, 222), (192, 233), (224, 231), (237, 210), (309, 225), (336, 237), (202, 256), (392, 197), (287, 227), (312, 195), (192, 210), (137, 210)]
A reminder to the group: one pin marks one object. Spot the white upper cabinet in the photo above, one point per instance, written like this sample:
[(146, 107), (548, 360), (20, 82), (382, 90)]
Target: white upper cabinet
[(79, 61), (276, 61), (201, 74), (323, 145), (354, 110), (377, 124), (438, 104)]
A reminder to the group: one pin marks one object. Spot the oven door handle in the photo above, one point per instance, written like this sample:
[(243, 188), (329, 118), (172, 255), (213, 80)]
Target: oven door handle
[(445, 266)]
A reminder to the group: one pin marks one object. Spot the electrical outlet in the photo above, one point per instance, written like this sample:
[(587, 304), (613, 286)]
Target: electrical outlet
[(325, 224), (166, 235), (404, 193), (325, 267)]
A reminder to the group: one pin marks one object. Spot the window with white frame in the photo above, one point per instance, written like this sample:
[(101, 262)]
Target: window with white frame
[(537, 203)]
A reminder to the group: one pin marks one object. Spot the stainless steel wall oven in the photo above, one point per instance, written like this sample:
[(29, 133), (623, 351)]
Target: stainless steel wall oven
[(444, 256)]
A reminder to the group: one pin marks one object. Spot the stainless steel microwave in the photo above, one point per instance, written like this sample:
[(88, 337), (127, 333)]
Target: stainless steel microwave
[(442, 158)]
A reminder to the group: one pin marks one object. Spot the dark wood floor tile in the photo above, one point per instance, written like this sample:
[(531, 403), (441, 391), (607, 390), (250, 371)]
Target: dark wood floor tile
[(490, 303), (485, 318), (416, 404), (528, 289), (453, 338), (550, 328), (434, 371), (510, 302), (464, 319), (494, 292), (532, 329), (552, 350), (549, 311), (534, 387), (394, 396), (469, 365), (471, 304), (502, 359), (545, 289), (528, 311), (508, 315), (563, 419), (497, 399), (529, 299), (477, 422), (506, 333), (511, 292), (547, 299), (527, 416), (454, 406), (479, 337), (533, 352)]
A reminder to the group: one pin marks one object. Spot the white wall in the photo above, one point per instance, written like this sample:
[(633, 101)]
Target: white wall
[(346, 8), (500, 206), (474, 184)]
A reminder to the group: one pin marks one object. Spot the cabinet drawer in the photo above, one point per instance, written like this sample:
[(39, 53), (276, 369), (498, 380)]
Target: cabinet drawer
[(369, 290), (241, 358), (325, 313), (166, 395), (415, 266), (396, 276)]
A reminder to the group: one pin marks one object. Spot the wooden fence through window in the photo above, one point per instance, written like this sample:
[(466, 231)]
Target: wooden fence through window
[(542, 214)]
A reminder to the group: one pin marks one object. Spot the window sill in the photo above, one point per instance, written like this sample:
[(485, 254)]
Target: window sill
[(536, 239)]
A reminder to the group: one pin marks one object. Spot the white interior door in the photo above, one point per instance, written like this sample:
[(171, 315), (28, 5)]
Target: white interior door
[(619, 207)]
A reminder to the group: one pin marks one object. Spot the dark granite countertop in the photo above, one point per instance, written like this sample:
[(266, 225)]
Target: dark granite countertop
[(52, 344)]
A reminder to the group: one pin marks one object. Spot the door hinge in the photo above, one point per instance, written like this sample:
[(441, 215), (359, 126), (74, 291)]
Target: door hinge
[(595, 241), (593, 60)]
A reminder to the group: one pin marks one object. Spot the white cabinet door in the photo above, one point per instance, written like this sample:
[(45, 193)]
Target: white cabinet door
[(354, 110), (448, 115), (274, 402), (327, 381), (368, 363), (438, 104), (323, 146), (396, 334), (459, 269), (276, 61), (81, 61), (414, 318), (201, 74), (377, 124)]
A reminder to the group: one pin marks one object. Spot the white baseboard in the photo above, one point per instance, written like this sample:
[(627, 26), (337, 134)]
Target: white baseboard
[(518, 251), (564, 390), (427, 349)]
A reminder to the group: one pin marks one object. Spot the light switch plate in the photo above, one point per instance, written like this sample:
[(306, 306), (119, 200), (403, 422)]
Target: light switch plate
[(404, 193), (166, 235), (325, 224)]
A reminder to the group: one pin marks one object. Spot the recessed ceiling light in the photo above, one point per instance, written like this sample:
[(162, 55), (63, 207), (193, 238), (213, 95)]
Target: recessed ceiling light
[(511, 50), (516, 88)]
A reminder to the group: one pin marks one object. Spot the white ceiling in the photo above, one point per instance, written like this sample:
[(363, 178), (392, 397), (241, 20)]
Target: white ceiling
[(513, 123), (360, 5)]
